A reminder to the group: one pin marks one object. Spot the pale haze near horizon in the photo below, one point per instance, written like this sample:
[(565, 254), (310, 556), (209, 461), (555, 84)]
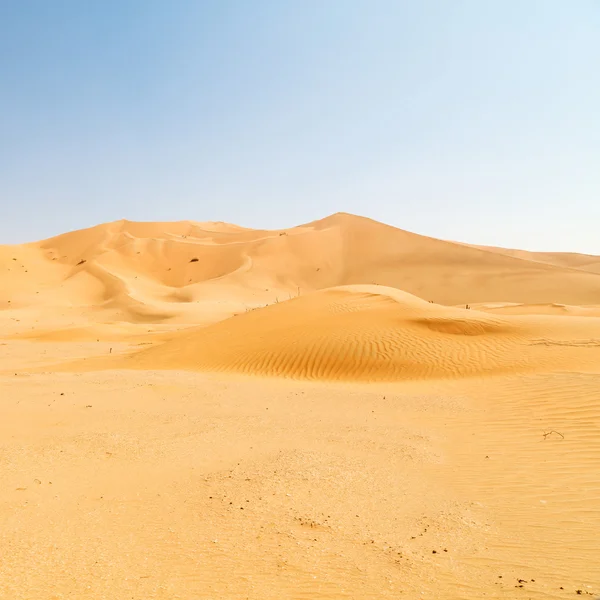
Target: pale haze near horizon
[(472, 121)]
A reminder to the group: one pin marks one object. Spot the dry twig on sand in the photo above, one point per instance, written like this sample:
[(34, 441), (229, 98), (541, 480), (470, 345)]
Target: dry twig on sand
[(546, 434)]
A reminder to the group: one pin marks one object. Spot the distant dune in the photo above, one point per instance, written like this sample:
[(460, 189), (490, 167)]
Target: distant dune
[(569, 260), (190, 273)]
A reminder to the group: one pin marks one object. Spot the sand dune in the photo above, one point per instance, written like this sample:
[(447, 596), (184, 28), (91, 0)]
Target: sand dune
[(374, 333), (569, 260), (190, 273)]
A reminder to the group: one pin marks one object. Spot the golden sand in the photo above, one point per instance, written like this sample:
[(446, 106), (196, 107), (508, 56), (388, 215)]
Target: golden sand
[(201, 411)]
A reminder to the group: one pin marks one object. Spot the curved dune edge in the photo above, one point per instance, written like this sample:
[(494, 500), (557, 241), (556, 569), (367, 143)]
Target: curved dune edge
[(371, 333)]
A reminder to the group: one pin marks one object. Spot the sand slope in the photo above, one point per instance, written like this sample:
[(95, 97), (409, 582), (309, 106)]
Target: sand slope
[(570, 260), (513, 308), (189, 273), (374, 333)]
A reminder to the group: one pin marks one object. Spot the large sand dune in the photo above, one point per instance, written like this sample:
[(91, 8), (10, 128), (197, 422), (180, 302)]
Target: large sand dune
[(202, 272)]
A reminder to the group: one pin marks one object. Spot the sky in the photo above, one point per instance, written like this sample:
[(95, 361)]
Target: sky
[(465, 120)]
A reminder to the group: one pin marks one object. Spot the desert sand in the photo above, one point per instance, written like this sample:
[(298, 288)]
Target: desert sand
[(337, 410)]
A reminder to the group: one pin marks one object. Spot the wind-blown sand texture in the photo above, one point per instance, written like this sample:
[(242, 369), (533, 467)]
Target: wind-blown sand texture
[(198, 410)]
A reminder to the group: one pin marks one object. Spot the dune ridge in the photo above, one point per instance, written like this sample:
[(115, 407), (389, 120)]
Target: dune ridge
[(570, 260), (186, 272)]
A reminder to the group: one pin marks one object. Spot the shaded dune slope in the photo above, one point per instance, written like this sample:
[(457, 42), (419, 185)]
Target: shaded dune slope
[(371, 333)]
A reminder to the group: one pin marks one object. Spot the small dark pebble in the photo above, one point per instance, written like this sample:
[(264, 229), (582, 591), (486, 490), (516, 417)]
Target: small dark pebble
[(579, 592), (434, 552)]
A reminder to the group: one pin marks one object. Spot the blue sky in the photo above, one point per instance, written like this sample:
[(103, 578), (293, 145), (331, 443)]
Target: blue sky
[(467, 120)]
